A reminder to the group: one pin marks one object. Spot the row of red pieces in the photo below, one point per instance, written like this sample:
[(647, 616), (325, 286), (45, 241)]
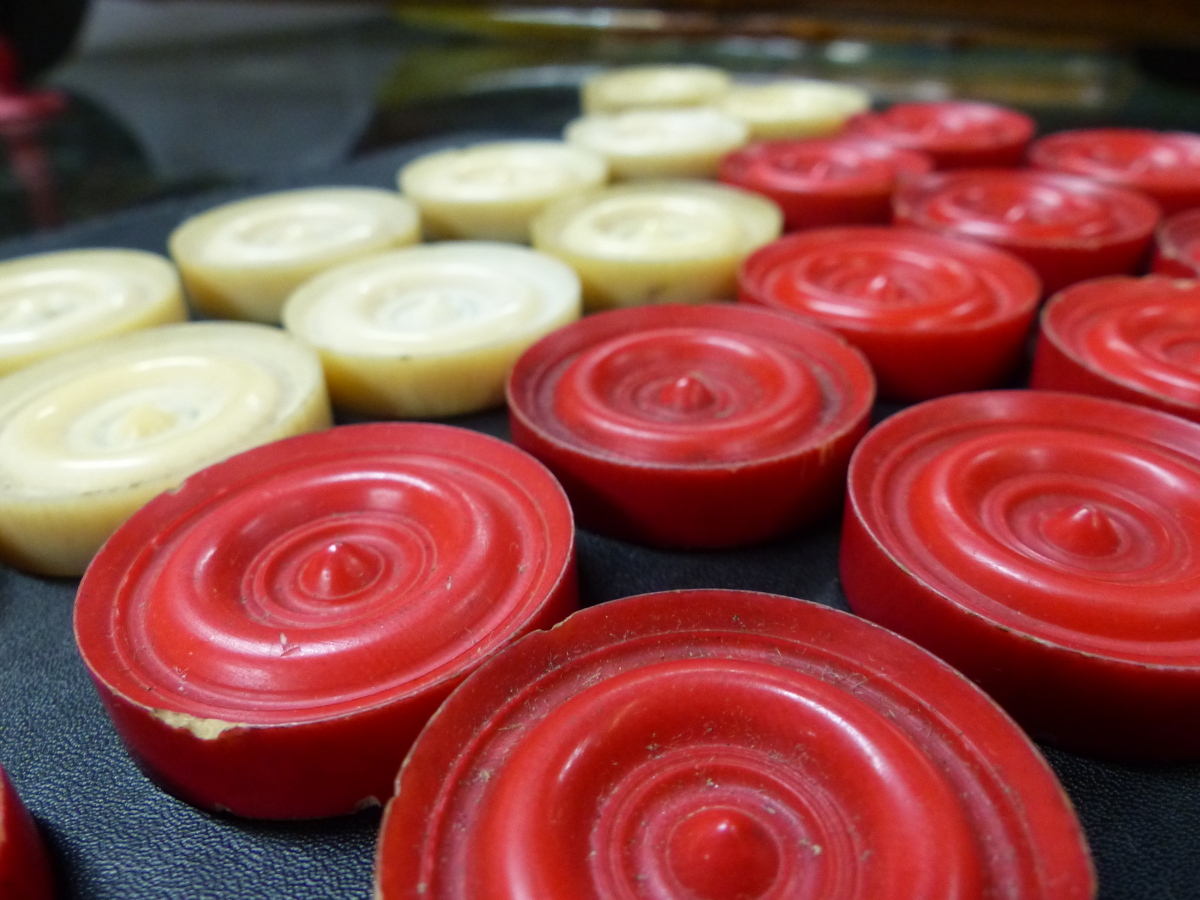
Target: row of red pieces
[(411, 550), (848, 179), (935, 315)]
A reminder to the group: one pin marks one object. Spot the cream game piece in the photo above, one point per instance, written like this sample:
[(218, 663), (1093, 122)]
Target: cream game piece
[(491, 191), (660, 143), (794, 108), (243, 259), (431, 331), (653, 87), (53, 302), (91, 435), (657, 241)]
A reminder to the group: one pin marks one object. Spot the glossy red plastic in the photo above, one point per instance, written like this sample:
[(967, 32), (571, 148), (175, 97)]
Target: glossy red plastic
[(1177, 245), (1048, 546), (693, 426), (957, 134), (1132, 339), (24, 867), (1068, 228), (825, 181), (270, 637), (1162, 164), (725, 745), (933, 315)]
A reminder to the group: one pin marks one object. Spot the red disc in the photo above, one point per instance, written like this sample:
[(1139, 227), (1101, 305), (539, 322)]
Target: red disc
[(957, 134), (1067, 228), (693, 426), (271, 636), (1178, 245), (933, 315), (1048, 545), (825, 181), (1163, 164), (24, 867), (725, 745), (1134, 339)]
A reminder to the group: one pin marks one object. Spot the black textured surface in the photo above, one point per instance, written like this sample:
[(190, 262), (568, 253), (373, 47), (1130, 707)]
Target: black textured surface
[(114, 836)]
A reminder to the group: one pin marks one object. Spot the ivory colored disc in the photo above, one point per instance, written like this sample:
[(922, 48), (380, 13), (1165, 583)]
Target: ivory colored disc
[(642, 87), (243, 259), (660, 143), (434, 330), (491, 191), (657, 241), (56, 301), (794, 108), (88, 437)]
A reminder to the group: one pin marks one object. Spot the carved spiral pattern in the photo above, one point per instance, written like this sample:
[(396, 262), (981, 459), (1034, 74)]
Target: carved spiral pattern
[(722, 745), (888, 278), (1061, 516), (1026, 207), (1143, 334), (691, 385), (1166, 165), (326, 575)]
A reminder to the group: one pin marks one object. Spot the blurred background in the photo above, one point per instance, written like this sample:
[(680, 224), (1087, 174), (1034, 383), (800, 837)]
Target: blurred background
[(108, 104)]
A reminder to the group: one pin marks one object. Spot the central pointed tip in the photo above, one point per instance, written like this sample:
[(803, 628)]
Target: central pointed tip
[(1083, 530), (338, 570), (687, 394), (720, 853)]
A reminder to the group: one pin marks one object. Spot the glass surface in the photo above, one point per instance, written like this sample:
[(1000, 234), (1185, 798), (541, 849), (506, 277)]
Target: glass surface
[(178, 117)]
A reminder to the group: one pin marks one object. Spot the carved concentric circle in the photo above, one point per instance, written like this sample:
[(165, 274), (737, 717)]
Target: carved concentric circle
[(842, 164), (1025, 207), (794, 107), (955, 133), (933, 315), (1165, 165), (1133, 339), (677, 241), (1044, 544), (754, 746), (241, 260), (889, 278), (385, 558), (709, 398), (653, 87), (88, 436), (356, 573), (1067, 228), (693, 386), (659, 143), (1066, 518), (825, 181), (52, 302), (676, 424), (491, 191)]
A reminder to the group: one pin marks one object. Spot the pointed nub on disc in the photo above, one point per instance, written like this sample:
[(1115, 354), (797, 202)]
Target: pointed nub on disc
[(338, 570), (1082, 529), (687, 394), (721, 853)]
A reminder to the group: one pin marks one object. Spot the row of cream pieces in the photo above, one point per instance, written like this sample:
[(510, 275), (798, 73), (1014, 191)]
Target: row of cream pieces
[(90, 434), (628, 243), (666, 241)]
